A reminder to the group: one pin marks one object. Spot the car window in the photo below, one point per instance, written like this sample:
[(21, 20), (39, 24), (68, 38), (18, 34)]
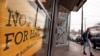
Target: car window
[(98, 35)]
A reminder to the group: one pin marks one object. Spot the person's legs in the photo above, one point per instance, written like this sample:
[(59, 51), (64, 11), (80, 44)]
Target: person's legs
[(85, 43), (58, 39), (90, 47)]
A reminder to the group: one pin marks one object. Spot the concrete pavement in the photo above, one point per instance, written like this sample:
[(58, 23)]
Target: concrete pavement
[(77, 50), (73, 50)]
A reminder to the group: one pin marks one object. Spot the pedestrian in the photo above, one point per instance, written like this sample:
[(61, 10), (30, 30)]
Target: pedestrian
[(87, 41), (59, 33)]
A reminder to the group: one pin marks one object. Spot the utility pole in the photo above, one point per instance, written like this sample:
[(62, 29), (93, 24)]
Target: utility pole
[(82, 22)]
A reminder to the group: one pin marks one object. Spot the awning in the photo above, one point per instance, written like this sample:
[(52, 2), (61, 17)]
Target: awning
[(71, 5), (79, 5)]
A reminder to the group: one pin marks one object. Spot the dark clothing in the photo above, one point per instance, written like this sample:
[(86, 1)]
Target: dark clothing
[(87, 41), (86, 36)]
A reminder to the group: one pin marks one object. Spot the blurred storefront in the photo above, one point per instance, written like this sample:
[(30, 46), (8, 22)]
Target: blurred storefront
[(42, 16)]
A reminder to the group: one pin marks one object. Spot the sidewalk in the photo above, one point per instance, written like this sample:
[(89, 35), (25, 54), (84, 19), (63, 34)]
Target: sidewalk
[(77, 50), (74, 50)]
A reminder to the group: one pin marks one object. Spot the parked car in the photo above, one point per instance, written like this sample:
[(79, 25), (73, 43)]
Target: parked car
[(96, 40), (73, 37), (79, 40)]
